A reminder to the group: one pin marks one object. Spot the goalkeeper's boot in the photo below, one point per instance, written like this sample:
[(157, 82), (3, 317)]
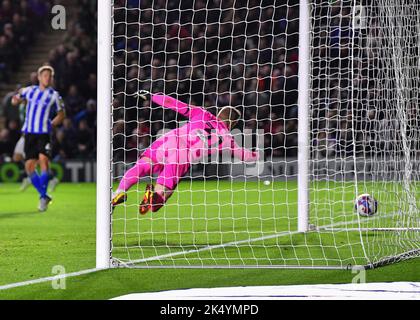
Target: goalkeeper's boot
[(147, 200), (43, 203), (158, 201), (118, 198)]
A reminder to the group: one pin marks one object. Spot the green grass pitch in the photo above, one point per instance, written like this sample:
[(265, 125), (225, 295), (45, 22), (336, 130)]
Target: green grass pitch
[(31, 243)]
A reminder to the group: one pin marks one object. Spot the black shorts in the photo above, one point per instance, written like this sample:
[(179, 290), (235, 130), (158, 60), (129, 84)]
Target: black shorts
[(36, 144)]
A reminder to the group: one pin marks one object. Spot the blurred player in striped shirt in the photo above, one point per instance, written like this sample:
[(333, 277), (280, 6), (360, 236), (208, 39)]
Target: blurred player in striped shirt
[(41, 102)]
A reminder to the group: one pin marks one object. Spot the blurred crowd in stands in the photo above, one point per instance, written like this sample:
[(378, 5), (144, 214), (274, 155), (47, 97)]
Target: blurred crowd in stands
[(245, 54), (74, 61), (209, 53), (20, 22), (206, 53)]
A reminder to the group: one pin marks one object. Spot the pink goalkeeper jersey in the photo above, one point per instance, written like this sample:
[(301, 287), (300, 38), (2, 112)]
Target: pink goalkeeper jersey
[(204, 134)]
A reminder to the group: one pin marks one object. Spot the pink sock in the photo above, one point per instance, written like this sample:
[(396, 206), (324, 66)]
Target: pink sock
[(133, 175)]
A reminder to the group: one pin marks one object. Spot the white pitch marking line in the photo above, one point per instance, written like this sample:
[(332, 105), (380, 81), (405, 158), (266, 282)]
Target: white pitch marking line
[(52, 278), (83, 272), (234, 243)]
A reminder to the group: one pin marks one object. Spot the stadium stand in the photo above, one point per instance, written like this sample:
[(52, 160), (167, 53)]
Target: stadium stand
[(73, 55), (198, 60)]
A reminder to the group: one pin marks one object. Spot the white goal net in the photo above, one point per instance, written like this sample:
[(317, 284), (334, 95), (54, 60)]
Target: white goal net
[(366, 124), (363, 131)]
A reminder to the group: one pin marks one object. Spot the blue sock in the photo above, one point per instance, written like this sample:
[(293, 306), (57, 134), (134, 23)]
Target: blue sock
[(44, 178), (36, 181)]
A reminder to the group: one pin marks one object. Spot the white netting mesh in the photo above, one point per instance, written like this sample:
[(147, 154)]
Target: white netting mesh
[(364, 129), (365, 121)]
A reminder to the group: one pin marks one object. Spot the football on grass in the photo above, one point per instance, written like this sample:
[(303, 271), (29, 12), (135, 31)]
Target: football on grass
[(366, 205)]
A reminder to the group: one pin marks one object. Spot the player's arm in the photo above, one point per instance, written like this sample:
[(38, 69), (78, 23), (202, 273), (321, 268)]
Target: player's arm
[(19, 97), (61, 114), (242, 154), (167, 102), (58, 119)]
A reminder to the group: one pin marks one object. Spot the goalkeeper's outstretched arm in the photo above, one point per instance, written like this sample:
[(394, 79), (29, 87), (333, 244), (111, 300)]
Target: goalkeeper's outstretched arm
[(167, 102), (243, 154)]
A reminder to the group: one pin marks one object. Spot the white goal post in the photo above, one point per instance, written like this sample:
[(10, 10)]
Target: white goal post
[(330, 87), (103, 163), (303, 116)]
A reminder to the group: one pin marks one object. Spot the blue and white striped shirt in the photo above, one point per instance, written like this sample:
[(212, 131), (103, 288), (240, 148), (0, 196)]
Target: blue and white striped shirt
[(40, 106)]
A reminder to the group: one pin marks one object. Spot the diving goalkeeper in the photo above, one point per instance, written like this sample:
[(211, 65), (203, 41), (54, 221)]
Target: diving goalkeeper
[(171, 155)]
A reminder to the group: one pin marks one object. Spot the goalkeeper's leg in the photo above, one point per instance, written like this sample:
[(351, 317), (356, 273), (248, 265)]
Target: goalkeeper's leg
[(156, 197), (142, 168)]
